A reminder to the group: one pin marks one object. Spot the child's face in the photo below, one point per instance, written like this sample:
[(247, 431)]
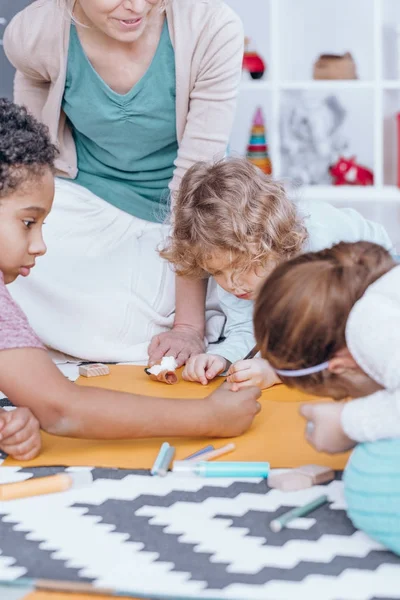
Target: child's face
[(354, 383), (245, 284), (22, 214), (347, 381)]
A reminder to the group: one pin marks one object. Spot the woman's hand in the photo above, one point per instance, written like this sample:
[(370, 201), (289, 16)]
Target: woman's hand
[(20, 434), (324, 429), (204, 367), (181, 342), (249, 373)]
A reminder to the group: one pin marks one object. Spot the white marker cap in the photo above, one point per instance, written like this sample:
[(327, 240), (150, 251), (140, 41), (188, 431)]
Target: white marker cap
[(80, 478), (184, 467)]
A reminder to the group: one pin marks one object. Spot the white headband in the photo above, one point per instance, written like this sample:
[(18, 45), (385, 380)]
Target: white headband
[(301, 372)]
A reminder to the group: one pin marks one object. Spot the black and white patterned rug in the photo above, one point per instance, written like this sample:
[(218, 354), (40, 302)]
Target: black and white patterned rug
[(191, 538)]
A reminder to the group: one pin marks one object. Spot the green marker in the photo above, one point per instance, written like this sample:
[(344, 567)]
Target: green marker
[(278, 524)]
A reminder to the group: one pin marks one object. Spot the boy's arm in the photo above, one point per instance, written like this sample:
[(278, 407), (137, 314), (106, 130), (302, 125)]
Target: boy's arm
[(374, 417), (238, 330), (29, 378)]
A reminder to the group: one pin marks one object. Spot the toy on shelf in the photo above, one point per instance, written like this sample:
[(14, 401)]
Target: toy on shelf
[(257, 149), (335, 66), (252, 62), (347, 172), (311, 137)]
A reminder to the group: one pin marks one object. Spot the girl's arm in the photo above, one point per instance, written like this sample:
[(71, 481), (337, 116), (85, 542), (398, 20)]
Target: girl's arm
[(29, 378), (338, 426), (373, 418)]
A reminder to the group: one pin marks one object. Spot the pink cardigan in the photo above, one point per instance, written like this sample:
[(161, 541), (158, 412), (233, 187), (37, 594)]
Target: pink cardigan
[(207, 37)]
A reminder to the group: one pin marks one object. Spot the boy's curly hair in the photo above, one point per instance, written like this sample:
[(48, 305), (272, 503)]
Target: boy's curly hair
[(25, 147), (231, 206)]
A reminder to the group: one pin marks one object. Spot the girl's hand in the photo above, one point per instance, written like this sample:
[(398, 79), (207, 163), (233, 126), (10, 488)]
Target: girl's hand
[(181, 342), (231, 413), (249, 373), (20, 434), (324, 428), (204, 367)]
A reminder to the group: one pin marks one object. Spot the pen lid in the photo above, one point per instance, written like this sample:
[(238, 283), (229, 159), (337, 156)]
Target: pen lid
[(80, 478), (184, 467)]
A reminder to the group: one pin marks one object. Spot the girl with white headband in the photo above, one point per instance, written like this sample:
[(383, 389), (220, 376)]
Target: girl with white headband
[(328, 323)]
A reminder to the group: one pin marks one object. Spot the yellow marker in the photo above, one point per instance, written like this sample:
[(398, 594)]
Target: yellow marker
[(214, 453), (45, 485)]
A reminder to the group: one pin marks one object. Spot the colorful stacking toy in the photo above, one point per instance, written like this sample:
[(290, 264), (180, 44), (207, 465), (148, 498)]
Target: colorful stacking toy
[(257, 149)]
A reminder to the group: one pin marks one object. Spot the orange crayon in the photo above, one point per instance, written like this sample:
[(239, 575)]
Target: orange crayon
[(45, 485)]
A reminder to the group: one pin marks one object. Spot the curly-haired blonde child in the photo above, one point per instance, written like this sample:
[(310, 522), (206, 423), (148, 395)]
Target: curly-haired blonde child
[(27, 374), (329, 324), (235, 223)]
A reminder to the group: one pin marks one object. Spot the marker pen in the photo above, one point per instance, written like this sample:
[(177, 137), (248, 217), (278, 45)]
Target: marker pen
[(160, 458), (221, 469), (45, 485)]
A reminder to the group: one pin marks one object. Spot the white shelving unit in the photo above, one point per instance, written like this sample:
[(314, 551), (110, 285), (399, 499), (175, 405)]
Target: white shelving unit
[(290, 35)]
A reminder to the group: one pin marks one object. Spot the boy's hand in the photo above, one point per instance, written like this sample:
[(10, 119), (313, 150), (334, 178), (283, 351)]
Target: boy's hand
[(232, 413), (204, 367), (249, 373), (324, 428), (181, 342), (19, 434)]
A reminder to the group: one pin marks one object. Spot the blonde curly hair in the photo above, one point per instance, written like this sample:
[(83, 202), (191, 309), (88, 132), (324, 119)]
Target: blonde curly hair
[(231, 206)]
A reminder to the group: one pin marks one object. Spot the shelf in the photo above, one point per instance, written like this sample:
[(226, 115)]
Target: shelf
[(353, 193), (322, 84), (329, 84), (256, 85), (391, 84)]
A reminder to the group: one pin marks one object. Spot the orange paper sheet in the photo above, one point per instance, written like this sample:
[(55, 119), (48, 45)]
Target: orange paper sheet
[(276, 436), (62, 596)]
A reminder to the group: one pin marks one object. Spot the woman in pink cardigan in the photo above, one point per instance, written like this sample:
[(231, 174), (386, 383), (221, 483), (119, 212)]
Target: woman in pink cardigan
[(133, 92)]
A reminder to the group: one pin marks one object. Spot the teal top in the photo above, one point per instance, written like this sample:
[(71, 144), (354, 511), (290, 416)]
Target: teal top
[(372, 491), (126, 144)]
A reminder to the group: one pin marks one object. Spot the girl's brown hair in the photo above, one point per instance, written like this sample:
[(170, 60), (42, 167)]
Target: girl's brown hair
[(232, 206), (302, 309)]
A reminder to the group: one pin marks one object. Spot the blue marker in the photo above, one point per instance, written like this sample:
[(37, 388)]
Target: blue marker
[(200, 452), (160, 458), (221, 469)]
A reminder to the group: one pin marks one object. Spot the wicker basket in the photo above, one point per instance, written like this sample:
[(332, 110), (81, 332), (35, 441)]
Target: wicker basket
[(335, 66)]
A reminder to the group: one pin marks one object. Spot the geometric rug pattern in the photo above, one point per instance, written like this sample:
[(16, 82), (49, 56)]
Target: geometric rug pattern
[(194, 537)]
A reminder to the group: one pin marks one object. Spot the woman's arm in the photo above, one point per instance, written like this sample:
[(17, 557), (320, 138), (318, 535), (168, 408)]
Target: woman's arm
[(186, 338), (29, 378), (212, 100), (31, 85), (209, 123)]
